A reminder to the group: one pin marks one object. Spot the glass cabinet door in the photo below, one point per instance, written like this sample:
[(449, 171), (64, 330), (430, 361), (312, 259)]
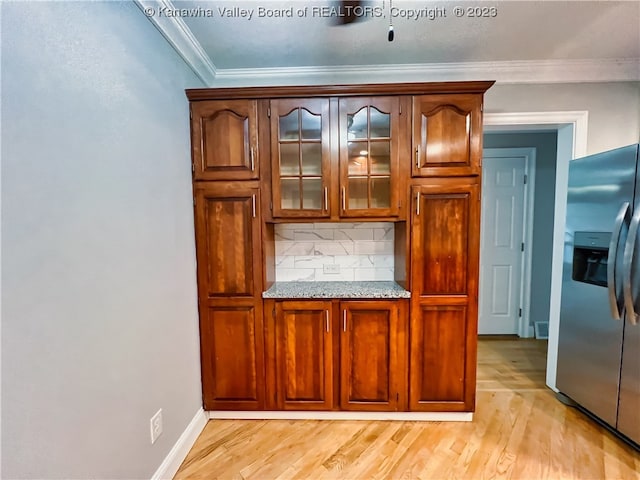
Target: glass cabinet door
[(369, 156), (300, 157)]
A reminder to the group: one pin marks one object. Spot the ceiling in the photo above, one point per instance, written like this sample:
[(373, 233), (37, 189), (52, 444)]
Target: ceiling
[(513, 31)]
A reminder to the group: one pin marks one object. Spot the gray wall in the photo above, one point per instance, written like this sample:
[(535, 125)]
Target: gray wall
[(614, 108), (99, 312), (545, 179)]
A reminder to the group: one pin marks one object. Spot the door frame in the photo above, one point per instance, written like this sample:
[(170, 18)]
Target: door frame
[(571, 127), (525, 330)]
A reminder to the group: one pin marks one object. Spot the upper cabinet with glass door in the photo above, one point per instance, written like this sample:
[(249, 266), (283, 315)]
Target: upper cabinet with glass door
[(369, 151), (300, 156), (224, 139), (447, 135)]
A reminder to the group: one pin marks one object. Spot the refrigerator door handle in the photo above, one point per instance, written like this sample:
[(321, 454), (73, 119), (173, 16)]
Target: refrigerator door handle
[(629, 250), (611, 261)]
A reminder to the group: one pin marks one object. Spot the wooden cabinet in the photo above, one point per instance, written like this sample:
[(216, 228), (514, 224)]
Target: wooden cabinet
[(300, 158), (444, 280), (228, 240), (445, 244), (447, 135), (407, 153), (304, 346), (232, 356), (357, 177), (224, 140), (362, 352), (369, 134), (228, 248), (373, 355)]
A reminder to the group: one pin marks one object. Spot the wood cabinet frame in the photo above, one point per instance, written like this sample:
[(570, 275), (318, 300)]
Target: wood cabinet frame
[(447, 308), (337, 363), (453, 125), (398, 122), (432, 325), (238, 122), (316, 106), (302, 91), (356, 362), (285, 347), (229, 299)]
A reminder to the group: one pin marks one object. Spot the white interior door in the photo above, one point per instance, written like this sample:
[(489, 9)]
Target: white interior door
[(502, 244)]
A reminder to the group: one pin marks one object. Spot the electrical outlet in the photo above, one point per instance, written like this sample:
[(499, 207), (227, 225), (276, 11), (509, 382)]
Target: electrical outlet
[(156, 426), (331, 268)]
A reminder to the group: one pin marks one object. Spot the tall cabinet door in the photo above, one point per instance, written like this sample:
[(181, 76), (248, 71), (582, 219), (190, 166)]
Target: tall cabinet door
[(444, 311), (372, 343), (304, 350), (369, 151), (224, 140), (300, 157), (228, 240), (447, 135), (232, 356), (229, 255)]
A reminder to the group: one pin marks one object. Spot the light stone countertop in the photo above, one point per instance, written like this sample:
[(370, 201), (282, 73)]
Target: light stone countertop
[(309, 290)]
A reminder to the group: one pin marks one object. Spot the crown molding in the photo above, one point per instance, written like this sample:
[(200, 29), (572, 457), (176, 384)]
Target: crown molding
[(179, 36), (504, 72)]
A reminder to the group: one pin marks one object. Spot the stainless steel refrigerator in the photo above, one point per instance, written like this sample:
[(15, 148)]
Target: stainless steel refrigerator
[(599, 343)]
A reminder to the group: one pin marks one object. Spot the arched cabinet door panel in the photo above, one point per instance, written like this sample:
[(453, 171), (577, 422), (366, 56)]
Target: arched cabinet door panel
[(370, 137), (447, 135), (225, 140), (300, 157)]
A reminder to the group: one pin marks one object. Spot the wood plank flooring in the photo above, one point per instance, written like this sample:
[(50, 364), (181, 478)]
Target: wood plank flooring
[(520, 431)]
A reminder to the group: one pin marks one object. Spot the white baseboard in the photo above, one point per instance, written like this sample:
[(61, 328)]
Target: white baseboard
[(178, 453), (176, 456), (316, 415)]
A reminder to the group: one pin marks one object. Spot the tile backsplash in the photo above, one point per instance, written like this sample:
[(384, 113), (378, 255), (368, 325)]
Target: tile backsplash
[(323, 252)]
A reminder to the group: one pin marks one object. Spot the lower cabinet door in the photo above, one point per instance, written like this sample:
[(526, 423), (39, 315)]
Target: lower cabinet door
[(442, 359), (232, 357), (304, 349), (372, 369)]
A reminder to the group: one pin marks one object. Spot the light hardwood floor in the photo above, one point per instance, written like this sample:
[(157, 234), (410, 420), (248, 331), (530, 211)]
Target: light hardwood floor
[(520, 431)]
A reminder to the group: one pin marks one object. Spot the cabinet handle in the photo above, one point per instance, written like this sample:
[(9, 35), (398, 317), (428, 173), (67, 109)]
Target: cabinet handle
[(253, 205), (621, 218), (418, 156), (344, 199), (326, 198), (418, 203), (252, 156), (629, 250), (344, 320), (326, 316)]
